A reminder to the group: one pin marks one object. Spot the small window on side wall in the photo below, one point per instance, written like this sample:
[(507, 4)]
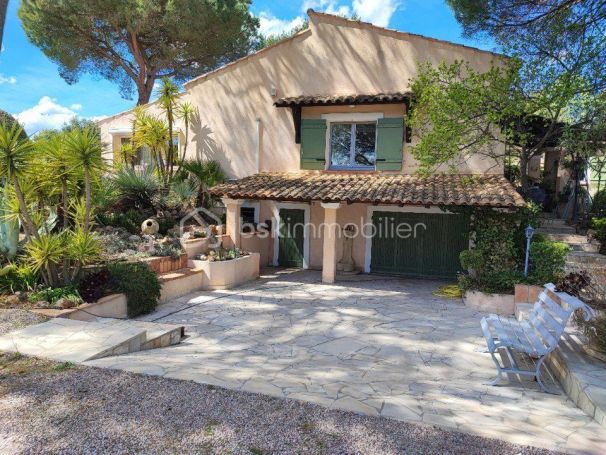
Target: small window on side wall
[(353, 145)]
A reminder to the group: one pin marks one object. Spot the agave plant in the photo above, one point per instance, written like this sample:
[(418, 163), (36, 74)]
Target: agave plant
[(137, 187)]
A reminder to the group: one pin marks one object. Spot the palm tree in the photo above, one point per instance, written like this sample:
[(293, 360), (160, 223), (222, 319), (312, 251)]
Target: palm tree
[(84, 150), (168, 96), (186, 112), (15, 158), (204, 175)]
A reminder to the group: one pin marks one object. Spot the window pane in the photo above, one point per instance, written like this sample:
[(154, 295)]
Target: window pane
[(365, 144), (340, 144)]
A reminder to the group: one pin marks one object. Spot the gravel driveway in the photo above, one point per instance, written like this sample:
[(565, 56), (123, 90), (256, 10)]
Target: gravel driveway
[(58, 408)]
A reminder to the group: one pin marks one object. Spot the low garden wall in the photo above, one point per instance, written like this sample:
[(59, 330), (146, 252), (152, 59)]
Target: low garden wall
[(166, 264), (490, 303), (527, 293), (110, 306), (227, 274)]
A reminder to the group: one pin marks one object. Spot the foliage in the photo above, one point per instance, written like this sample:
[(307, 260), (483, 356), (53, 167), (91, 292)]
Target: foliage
[(574, 283), (168, 94), (599, 224), (270, 40), (59, 257), (134, 43), (458, 112), (95, 285), (52, 295), (17, 277), (547, 262), (8, 120), (202, 175), (598, 207), (137, 188), (495, 262), (140, 284)]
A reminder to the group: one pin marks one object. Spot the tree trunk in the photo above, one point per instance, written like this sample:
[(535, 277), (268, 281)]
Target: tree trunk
[(144, 94), (29, 225), (64, 203), (185, 145), (87, 199), (524, 171)]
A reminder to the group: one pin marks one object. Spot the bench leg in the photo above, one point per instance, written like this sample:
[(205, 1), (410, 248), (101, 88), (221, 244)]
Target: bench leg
[(499, 377), (537, 376)]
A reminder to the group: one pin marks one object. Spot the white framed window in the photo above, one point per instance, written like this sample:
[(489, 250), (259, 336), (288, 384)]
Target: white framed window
[(353, 145), (351, 140)]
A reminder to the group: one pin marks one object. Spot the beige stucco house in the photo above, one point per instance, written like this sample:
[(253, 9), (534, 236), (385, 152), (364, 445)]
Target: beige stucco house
[(311, 130)]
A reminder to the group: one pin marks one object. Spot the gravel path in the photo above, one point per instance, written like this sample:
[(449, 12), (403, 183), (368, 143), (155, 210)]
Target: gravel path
[(60, 408), (13, 319)]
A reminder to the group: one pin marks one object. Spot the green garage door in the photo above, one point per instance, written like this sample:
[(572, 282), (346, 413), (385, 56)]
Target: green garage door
[(418, 244)]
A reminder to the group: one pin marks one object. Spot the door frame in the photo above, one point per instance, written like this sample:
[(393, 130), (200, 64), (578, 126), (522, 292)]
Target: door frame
[(276, 206), (391, 208)]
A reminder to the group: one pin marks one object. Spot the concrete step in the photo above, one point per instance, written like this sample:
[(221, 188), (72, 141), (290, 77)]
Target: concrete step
[(70, 340), (567, 238), (586, 258), (157, 335), (557, 230)]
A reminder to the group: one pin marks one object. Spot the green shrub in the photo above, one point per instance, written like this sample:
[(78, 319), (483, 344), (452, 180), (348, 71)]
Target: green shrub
[(501, 282), (52, 295), (547, 262), (17, 277), (137, 188), (599, 224), (598, 206), (140, 284)]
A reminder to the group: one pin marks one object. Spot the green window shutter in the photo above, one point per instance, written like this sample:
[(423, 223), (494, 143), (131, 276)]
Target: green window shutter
[(313, 144), (390, 135)]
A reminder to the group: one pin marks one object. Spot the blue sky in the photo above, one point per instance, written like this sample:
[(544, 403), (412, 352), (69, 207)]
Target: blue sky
[(31, 88)]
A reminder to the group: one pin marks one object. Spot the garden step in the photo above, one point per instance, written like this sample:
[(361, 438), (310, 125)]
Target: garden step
[(550, 229), (69, 340), (586, 258), (156, 335), (567, 238)]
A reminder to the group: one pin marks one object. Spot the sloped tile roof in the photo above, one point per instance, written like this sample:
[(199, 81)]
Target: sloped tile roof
[(327, 100), (375, 188)]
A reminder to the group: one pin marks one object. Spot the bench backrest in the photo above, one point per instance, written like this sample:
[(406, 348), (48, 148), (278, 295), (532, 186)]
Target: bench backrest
[(551, 313)]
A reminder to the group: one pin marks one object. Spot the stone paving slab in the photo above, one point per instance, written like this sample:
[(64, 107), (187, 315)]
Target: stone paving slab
[(377, 346), (69, 340)]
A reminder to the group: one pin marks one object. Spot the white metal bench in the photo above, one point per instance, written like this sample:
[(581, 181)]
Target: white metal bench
[(536, 336)]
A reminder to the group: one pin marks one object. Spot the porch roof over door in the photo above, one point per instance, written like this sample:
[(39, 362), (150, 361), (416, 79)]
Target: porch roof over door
[(375, 188)]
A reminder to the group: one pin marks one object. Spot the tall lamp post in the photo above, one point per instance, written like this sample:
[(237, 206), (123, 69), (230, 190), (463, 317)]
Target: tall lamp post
[(529, 231)]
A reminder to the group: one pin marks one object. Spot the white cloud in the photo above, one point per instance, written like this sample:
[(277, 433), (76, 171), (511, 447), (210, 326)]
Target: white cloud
[(7, 79), (271, 25), (76, 106), (46, 114), (378, 12)]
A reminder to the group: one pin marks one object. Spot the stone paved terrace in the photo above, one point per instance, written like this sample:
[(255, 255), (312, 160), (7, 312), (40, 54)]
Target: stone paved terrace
[(375, 345)]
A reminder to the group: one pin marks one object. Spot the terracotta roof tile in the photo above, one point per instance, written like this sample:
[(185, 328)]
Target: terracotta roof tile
[(327, 100), (375, 188)]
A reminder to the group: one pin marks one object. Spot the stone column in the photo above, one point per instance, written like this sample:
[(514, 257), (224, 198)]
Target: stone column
[(329, 261), (232, 219)]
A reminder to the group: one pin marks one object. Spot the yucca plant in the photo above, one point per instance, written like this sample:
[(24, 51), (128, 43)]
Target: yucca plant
[(16, 152), (44, 254), (187, 112), (84, 150), (152, 132), (168, 94)]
